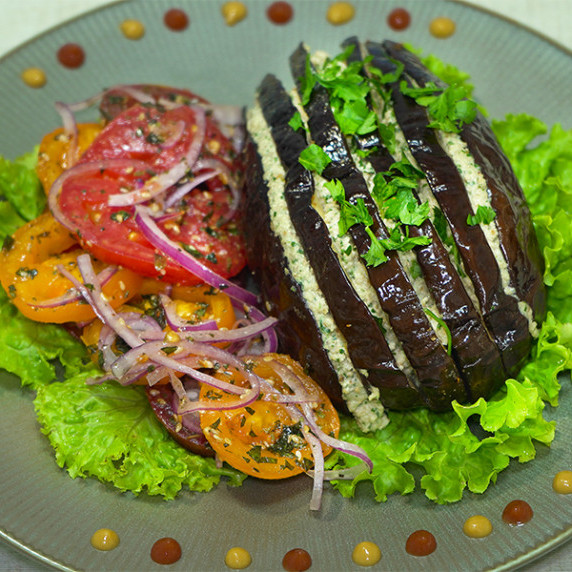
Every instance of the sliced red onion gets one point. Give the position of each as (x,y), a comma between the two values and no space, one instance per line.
(177,324)
(318,455)
(167,246)
(152,188)
(70,130)
(186,188)
(72,295)
(252,312)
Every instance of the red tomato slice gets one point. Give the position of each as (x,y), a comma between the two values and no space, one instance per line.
(159,138)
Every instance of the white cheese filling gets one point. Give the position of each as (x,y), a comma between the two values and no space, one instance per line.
(365,407)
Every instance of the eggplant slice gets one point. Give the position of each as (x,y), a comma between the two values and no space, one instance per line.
(378,317)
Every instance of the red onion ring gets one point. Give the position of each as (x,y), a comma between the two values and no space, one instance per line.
(174,251)
(70,130)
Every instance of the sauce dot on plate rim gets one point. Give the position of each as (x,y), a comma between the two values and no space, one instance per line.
(420,543)
(477,526)
(562,482)
(442,27)
(296,560)
(517,512)
(34,77)
(340,13)
(176,19)
(132,29)
(166,551)
(366,553)
(233,12)
(280,12)
(399,19)
(105,539)
(71,55)
(237,558)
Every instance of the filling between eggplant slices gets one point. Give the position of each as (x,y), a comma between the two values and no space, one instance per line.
(388,233)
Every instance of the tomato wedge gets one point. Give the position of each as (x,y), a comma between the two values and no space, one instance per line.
(158,138)
(29,275)
(263,440)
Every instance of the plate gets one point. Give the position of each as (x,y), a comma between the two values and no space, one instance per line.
(52,517)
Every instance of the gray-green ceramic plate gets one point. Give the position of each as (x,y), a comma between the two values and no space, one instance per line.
(53,517)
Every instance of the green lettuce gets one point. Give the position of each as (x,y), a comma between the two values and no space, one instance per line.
(110,432)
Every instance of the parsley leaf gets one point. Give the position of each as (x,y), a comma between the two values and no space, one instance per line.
(449,108)
(484,214)
(314,158)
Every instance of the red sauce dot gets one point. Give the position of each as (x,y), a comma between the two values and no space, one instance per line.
(166,551)
(296,560)
(280,12)
(420,543)
(399,19)
(176,20)
(71,56)
(517,512)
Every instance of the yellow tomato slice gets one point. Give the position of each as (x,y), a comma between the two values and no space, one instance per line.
(28,273)
(263,439)
(54,152)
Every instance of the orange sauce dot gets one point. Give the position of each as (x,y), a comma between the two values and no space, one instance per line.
(166,551)
(420,543)
(442,27)
(366,554)
(176,19)
(233,12)
(340,13)
(71,56)
(517,512)
(238,558)
(562,483)
(399,19)
(296,560)
(34,77)
(280,12)
(132,29)
(477,526)
(105,539)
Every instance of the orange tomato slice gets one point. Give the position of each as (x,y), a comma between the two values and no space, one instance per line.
(263,439)
(28,273)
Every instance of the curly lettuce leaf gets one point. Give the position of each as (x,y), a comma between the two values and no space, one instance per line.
(33,351)
(110,432)
(21,195)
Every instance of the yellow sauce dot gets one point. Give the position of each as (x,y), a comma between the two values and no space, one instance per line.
(105,539)
(340,13)
(132,29)
(562,482)
(442,27)
(238,558)
(366,554)
(34,77)
(233,12)
(477,526)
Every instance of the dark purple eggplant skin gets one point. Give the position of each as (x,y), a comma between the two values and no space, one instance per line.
(474,351)
(517,237)
(438,377)
(367,347)
(507,325)
(161,398)
(281,296)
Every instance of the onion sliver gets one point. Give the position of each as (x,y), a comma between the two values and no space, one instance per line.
(70,130)
(167,246)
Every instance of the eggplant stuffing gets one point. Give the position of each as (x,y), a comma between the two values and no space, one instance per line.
(387,232)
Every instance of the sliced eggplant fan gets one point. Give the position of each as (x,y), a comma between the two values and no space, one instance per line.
(369,242)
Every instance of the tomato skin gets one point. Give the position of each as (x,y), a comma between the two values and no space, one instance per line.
(111,233)
(29,275)
(262,439)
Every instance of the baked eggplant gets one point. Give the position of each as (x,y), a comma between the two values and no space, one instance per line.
(388,287)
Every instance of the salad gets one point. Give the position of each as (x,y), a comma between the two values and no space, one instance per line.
(130,177)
